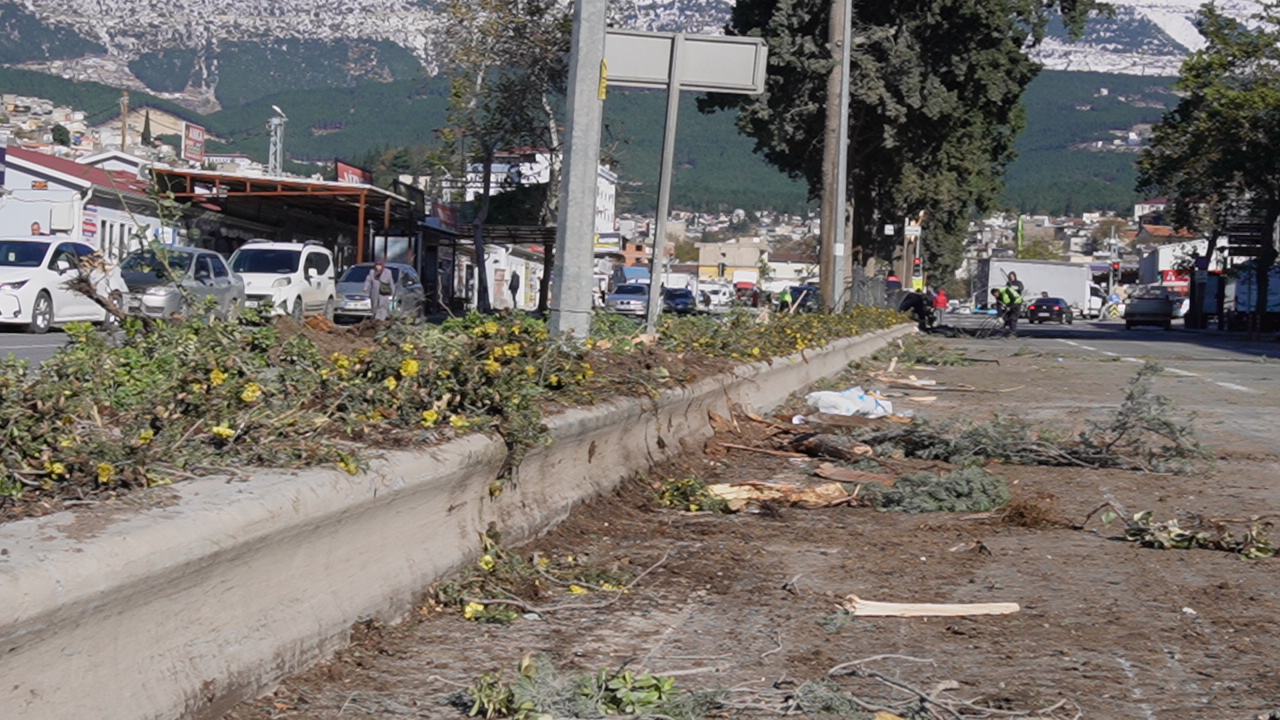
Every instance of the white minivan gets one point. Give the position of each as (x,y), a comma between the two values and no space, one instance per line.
(34,272)
(298,279)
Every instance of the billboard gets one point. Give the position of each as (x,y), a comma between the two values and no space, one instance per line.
(192,143)
(348,173)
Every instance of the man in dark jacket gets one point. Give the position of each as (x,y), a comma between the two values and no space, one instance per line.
(918,305)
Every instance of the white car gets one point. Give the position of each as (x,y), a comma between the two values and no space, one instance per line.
(34,273)
(296,278)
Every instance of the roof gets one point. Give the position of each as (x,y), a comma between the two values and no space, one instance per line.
(118,181)
(1165,231)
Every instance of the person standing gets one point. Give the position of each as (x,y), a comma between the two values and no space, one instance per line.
(940,300)
(514,287)
(784,299)
(380,285)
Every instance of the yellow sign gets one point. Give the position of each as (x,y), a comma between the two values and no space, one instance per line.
(604,78)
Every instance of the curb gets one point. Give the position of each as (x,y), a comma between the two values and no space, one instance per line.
(185,610)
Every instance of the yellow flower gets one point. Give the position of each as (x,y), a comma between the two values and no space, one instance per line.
(349,464)
(511,349)
(340,361)
(145,436)
(217,377)
(390,382)
(614,588)
(543,561)
(472,610)
(444,373)
(407,347)
(755,351)
(458,421)
(409,368)
(223,432)
(491,328)
(578,590)
(488,563)
(491,366)
(430,418)
(66,442)
(55,469)
(106,473)
(251,393)
(530,370)
(554,379)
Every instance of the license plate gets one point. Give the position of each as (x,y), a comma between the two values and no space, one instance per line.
(251,303)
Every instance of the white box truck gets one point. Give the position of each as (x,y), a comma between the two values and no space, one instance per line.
(1069,281)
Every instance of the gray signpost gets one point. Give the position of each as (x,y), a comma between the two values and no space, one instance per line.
(677,61)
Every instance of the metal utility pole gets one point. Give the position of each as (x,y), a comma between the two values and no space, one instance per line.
(124,121)
(575,229)
(664,188)
(275,154)
(832,151)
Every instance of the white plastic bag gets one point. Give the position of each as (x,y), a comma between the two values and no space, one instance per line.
(853,401)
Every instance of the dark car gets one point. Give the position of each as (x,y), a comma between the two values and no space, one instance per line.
(804,298)
(1050,309)
(679,301)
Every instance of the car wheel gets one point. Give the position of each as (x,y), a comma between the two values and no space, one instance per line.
(297,310)
(41,314)
(329,305)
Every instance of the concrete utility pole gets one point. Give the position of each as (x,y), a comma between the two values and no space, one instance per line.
(575,230)
(124,121)
(834,168)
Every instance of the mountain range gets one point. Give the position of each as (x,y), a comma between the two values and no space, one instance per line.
(341,70)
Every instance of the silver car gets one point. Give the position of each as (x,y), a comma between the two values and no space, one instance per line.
(629,299)
(353,301)
(176,280)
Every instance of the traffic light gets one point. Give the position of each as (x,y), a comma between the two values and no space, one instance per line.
(1115,267)
(917,267)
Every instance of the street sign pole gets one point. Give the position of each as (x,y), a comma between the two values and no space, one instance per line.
(664,188)
(573,267)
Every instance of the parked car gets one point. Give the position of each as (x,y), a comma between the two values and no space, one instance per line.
(295,278)
(1050,309)
(177,280)
(679,301)
(628,299)
(804,297)
(1151,306)
(353,302)
(33,283)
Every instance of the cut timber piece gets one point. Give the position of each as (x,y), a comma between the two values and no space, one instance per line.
(848,475)
(740,495)
(869,608)
(837,447)
(922,398)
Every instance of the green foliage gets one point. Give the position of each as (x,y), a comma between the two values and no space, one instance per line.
(1040,248)
(1252,543)
(61,135)
(688,494)
(740,335)
(935,106)
(967,490)
(539,689)
(99,102)
(27,38)
(917,350)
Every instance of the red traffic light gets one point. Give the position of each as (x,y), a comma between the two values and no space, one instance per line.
(1115,266)
(917,261)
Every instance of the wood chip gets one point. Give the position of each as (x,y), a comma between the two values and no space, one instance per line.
(922,398)
(870,608)
(806,495)
(849,475)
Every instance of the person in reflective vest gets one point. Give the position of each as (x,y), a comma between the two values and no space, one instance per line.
(1010,298)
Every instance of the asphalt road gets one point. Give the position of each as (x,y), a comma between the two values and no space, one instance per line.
(33,348)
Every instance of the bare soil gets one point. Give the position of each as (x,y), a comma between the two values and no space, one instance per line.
(1113,629)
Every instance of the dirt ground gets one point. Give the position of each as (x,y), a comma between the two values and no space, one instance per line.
(1111,629)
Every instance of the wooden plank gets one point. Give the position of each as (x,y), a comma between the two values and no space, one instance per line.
(870,608)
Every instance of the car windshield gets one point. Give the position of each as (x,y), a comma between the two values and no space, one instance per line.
(22,254)
(1049,301)
(150,263)
(680,293)
(276,262)
(358,273)
(631,290)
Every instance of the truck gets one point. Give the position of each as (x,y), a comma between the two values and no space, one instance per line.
(1069,281)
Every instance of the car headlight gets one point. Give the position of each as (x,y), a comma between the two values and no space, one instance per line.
(282,282)
(14,285)
(161,290)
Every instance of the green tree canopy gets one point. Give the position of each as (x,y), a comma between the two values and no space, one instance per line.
(935,104)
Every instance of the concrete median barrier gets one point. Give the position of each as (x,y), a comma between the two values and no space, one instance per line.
(181,609)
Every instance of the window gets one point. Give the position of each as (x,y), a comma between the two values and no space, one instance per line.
(317,261)
(203,269)
(14,253)
(219,267)
(265,260)
(65,254)
(83,250)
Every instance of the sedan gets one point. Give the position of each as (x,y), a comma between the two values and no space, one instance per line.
(34,274)
(173,281)
(678,300)
(354,305)
(629,299)
(1149,307)
(1050,309)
